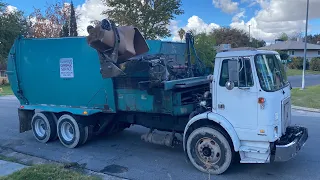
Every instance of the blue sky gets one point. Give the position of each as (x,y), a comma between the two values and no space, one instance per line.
(205,9)
(267,18)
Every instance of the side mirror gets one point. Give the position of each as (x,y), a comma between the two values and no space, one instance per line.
(229,85)
(233,73)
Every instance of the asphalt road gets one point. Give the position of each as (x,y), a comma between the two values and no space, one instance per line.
(310,80)
(125,155)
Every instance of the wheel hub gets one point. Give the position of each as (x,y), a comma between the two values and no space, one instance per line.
(67,131)
(208,150)
(40,127)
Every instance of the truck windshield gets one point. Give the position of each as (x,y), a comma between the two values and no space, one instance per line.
(271,73)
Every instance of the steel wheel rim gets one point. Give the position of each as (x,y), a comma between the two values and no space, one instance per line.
(208,150)
(40,127)
(67,131)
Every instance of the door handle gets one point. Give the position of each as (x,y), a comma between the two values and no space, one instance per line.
(221,106)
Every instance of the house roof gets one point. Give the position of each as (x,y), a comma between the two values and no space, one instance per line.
(288,45)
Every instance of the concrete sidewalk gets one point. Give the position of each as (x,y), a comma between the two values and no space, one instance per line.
(7,167)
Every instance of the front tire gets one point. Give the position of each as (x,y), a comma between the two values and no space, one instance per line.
(44,127)
(70,132)
(209,150)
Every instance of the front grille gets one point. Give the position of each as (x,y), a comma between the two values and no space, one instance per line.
(286,114)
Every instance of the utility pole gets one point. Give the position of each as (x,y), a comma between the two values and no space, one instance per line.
(249,37)
(305,48)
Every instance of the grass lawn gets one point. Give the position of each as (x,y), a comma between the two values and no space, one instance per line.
(310,97)
(295,72)
(47,171)
(6,90)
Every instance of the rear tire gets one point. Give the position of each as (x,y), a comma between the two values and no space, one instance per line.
(70,132)
(44,127)
(88,134)
(209,150)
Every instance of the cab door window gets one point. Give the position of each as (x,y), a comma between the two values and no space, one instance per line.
(245,73)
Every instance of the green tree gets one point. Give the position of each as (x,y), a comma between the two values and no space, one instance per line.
(235,37)
(12,24)
(73,21)
(313,39)
(204,44)
(181,33)
(284,37)
(256,43)
(283,55)
(151,17)
(65,31)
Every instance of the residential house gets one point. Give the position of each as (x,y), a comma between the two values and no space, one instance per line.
(295,48)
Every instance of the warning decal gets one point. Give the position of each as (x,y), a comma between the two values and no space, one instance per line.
(66,68)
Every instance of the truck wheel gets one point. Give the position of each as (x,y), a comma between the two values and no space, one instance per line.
(70,132)
(44,127)
(88,131)
(209,150)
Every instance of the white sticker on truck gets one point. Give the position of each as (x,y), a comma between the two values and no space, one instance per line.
(66,68)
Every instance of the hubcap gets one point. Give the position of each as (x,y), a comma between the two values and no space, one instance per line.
(67,131)
(208,150)
(40,127)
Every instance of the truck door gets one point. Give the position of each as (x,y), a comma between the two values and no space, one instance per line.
(238,105)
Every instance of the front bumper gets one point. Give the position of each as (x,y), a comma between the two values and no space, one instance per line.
(290,144)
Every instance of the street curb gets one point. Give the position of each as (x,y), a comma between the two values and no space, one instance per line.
(305,109)
(29,160)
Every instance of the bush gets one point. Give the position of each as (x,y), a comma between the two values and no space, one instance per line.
(283,55)
(297,63)
(315,64)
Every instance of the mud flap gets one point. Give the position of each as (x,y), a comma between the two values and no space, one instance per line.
(25,117)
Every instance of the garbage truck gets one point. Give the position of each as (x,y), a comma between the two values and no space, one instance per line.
(74,88)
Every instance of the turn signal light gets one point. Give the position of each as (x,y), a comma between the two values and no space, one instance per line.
(21,107)
(261,100)
(85,112)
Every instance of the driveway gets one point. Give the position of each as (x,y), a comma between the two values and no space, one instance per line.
(310,80)
(125,155)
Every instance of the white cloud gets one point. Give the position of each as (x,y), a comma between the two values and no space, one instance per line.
(89,11)
(11,9)
(237,17)
(287,10)
(8,10)
(252,4)
(194,23)
(267,31)
(227,6)
(277,16)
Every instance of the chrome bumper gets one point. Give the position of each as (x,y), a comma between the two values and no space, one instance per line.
(290,144)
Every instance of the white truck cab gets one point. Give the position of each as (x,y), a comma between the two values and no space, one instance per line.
(250,111)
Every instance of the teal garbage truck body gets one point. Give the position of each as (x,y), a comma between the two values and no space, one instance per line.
(61,76)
